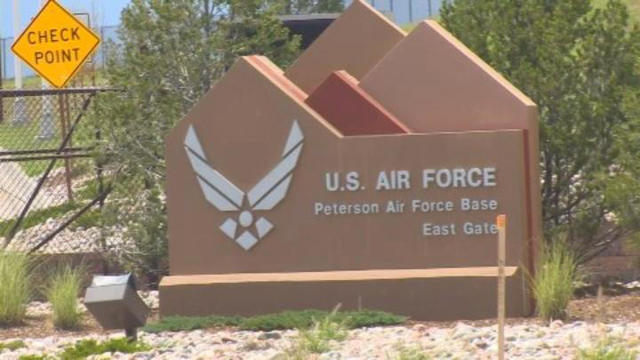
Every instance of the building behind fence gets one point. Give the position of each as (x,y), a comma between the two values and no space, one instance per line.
(402,11)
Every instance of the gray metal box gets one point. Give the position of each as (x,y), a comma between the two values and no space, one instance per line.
(114,302)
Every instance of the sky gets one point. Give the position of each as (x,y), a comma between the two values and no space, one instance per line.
(103,12)
(107,12)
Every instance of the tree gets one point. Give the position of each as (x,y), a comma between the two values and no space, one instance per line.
(313,6)
(168,55)
(581,66)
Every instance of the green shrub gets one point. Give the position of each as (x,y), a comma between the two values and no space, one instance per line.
(12,345)
(367,318)
(85,348)
(283,320)
(607,349)
(553,283)
(303,319)
(189,323)
(62,292)
(15,287)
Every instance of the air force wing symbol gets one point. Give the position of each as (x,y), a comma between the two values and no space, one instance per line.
(226,197)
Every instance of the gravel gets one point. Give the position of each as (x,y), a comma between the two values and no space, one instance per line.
(524,340)
(557,341)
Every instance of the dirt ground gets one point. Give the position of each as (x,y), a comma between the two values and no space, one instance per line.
(41,326)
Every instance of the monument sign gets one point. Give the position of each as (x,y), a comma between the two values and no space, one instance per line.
(369,173)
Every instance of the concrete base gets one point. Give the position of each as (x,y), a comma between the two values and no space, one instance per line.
(421,294)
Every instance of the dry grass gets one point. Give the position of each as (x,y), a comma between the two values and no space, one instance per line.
(553,282)
(15,287)
(62,292)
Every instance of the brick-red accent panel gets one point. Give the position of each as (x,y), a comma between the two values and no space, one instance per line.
(350,109)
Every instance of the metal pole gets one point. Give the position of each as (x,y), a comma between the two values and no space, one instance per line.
(429,3)
(501,222)
(410,11)
(47,126)
(131,334)
(19,113)
(64,117)
(17,65)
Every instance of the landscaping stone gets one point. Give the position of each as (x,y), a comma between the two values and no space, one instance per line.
(525,339)
(463,341)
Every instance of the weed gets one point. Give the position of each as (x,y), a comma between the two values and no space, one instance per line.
(15,287)
(85,348)
(34,357)
(12,345)
(317,339)
(62,292)
(411,353)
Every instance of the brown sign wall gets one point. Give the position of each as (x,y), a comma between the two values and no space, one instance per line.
(279,188)
(302,239)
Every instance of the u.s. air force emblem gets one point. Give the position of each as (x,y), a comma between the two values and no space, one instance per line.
(227,197)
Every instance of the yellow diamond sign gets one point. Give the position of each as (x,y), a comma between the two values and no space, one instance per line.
(55,44)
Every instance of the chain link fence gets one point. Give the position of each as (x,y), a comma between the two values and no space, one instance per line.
(47,173)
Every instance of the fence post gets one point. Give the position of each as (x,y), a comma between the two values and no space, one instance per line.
(63,104)
(501,221)
(410,11)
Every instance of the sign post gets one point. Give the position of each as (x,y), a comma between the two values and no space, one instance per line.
(55,44)
(501,222)
(47,127)
(19,113)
